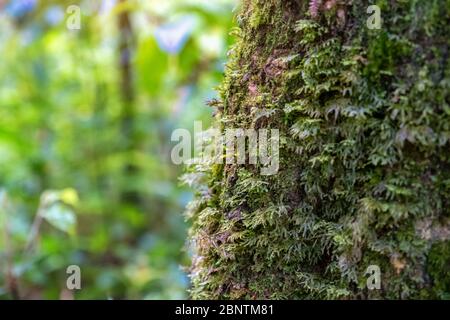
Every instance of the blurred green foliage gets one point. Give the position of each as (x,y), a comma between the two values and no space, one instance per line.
(63,150)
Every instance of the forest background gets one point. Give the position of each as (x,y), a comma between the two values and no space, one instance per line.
(86,116)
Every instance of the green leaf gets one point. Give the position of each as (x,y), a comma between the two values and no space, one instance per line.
(152,66)
(69,196)
(61,217)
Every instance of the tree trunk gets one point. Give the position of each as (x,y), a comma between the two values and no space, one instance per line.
(364,177)
(130,195)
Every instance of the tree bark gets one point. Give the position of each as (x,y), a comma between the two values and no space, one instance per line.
(364,176)
(130,195)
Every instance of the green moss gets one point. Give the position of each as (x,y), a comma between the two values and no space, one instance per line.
(364,156)
(439,269)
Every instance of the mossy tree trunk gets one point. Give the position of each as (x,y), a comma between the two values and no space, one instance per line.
(364,174)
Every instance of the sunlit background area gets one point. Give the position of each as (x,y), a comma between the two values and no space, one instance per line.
(86,117)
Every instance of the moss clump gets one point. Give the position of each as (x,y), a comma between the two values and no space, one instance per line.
(364,173)
(439,269)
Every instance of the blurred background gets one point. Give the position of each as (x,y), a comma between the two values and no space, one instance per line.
(87,109)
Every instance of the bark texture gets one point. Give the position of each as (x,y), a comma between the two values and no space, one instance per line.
(364,173)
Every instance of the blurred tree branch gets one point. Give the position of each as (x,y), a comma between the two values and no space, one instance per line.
(11,281)
(126,44)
